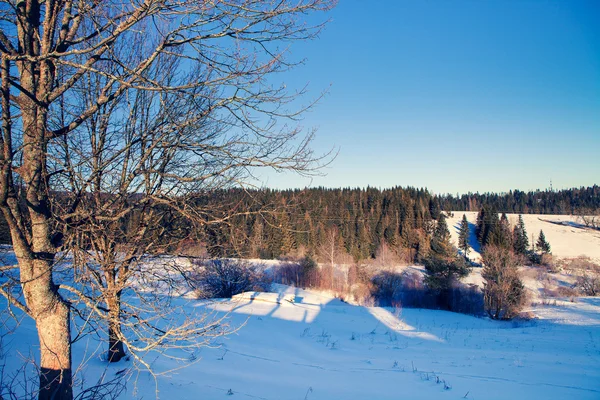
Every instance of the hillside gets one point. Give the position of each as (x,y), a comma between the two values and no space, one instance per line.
(304,344)
(321,348)
(565,233)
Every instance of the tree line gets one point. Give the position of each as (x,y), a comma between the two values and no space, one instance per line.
(352,223)
(360,224)
(567,201)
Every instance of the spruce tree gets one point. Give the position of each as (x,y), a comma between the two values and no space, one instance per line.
(520,239)
(488,227)
(440,241)
(463,235)
(434,209)
(542,244)
(443,265)
(504,234)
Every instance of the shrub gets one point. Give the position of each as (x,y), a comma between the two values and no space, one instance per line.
(301,273)
(560,291)
(387,288)
(546,260)
(503,293)
(414,293)
(589,283)
(466,299)
(192,248)
(587,272)
(360,286)
(224,278)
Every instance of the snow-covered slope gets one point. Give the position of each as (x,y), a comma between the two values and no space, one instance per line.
(299,344)
(321,348)
(567,237)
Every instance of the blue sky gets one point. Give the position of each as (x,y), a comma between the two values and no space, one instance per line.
(456,96)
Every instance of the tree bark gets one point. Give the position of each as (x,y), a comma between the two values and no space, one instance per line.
(35,253)
(116,349)
(51,315)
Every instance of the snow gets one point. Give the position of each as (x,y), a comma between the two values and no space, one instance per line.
(567,236)
(302,344)
(276,298)
(321,348)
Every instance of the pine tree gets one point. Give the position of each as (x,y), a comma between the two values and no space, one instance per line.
(488,227)
(440,241)
(520,239)
(542,244)
(504,235)
(434,208)
(463,235)
(443,266)
(441,229)
(256,239)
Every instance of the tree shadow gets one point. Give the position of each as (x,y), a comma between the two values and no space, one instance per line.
(473,242)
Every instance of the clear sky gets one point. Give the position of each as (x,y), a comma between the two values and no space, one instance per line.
(456,96)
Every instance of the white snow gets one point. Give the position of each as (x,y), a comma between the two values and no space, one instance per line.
(321,348)
(302,344)
(567,236)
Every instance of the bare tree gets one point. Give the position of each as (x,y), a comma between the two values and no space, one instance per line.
(331,250)
(504,293)
(48,47)
(590,218)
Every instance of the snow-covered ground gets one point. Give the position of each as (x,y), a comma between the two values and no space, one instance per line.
(321,348)
(299,344)
(566,235)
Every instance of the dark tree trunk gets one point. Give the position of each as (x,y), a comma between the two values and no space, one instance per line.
(116,349)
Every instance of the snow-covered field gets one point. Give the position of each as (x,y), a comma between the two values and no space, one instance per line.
(321,348)
(566,234)
(298,344)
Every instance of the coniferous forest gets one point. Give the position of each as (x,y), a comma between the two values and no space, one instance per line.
(347,224)
(359,224)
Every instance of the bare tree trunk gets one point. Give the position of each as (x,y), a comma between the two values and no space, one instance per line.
(55,343)
(116,349)
(36,259)
(51,315)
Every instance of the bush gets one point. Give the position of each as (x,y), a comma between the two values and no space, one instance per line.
(542,260)
(589,284)
(303,273)
(503,293)
(224,278)
(360,287)
(466,299)
(414,293)
(387,288)
(587,273)
(192,248)
(559,291)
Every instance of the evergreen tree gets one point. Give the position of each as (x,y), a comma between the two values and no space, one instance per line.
(441,229)
(463,235)
(440,241)
(504,234)
(542,244)
(488,227)
(441,273)
(434,208)
(443,266)
(520,239)
(256,239)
